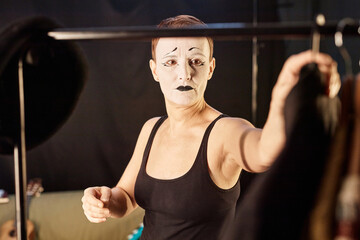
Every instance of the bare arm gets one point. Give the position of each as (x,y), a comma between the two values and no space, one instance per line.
(259,148)
(99,203)
(273,137)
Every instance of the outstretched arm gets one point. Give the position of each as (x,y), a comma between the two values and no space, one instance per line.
(273,137)
(260,147)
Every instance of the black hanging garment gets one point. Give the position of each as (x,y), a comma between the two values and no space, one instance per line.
(278,202)
(322,217)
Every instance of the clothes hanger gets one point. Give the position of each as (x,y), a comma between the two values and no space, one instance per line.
(315,45)
(339,42)
(334,83)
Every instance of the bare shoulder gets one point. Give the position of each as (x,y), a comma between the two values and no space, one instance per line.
(232,125)
(143,137)
(225,148)
(228,132)
(127,180)
(151,122)
(148,126)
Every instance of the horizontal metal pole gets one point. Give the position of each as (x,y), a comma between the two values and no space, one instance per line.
(219,31)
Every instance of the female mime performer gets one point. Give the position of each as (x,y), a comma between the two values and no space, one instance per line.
(186,165)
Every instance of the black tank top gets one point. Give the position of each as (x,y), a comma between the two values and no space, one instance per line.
(188,207)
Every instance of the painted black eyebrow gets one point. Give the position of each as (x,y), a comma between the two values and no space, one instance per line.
(171,51)
(193,48)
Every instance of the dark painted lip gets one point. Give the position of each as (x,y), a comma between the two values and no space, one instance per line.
(184,88)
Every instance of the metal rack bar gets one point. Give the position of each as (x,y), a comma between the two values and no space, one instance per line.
(219,31)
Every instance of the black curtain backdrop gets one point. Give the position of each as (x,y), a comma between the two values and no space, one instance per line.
(95,144)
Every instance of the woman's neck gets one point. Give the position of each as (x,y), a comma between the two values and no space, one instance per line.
(182,116)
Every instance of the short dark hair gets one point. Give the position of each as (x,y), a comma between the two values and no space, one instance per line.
(178,22)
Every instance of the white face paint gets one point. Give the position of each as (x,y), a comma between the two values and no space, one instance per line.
(183,68)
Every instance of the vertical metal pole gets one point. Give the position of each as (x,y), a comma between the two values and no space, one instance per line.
(20,165)
(254,66)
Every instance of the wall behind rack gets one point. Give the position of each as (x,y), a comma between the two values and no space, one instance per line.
(333,10)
